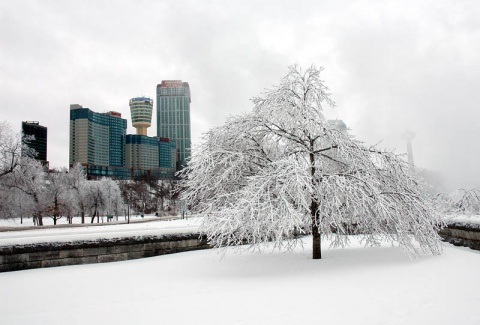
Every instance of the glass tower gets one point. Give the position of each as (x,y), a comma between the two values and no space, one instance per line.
(173,116)
(158,156)
(39,140)
(97,138)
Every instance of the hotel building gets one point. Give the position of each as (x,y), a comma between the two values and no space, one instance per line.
(173,116)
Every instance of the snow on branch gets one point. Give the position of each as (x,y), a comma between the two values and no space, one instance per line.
(282,170)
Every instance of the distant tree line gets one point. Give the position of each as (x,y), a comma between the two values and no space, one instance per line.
(28,190)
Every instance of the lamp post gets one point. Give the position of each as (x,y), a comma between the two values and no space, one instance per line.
(129,199)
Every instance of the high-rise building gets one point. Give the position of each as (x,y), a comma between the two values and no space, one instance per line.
(35,136)
(173,116)
(99,142)
(97,139)
(155,156)
(141,112)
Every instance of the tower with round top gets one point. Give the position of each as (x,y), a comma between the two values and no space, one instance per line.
(141,112)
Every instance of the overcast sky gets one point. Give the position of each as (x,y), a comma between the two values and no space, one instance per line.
(392,66)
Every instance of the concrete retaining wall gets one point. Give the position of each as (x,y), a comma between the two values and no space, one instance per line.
(21,257)
(462,234)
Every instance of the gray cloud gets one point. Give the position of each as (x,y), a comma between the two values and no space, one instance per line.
(391,66)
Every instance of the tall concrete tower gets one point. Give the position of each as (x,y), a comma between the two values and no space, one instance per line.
(141,112)
(173,116)
(408,136)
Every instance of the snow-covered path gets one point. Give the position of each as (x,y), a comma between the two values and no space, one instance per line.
(40,235)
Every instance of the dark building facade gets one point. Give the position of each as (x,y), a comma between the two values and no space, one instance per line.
(34,135)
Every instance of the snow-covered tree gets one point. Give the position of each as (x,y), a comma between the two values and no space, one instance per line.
(29,178)
(95,200)
(469,202)
(161,191)
(78,183)
(112,196)
(461,201)
(103,197)
(59,199)
(15,203)
(282,171)
(11,148)
(11,162)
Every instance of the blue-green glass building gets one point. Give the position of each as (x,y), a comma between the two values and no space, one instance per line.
(99,142)
(155,156)
(97,139)
(173,116)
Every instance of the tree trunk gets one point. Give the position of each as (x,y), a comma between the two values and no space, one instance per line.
(55,213)
(38,214)
(316,240)
(83,213)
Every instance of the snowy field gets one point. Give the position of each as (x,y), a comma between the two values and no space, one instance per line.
(355,285)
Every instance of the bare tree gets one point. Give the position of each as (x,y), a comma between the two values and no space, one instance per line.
(95,199)
(77,180)
(103,196)
(461,201)
(11,160)
(29,178)
(469,202)
(112,196)
(14,203)
(282,170)
(59,201)
(11,148)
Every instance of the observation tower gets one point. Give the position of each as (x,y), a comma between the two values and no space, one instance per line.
(408,136)
(141,112)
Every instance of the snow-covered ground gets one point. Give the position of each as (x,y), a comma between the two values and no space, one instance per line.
(28,221)
(474,219)
(355,285)
(68,234)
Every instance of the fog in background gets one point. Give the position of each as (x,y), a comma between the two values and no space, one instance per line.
(392,66)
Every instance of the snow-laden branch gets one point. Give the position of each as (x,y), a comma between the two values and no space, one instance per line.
(282,170)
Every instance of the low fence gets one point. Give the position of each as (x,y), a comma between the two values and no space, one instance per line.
(462,234)
(31,256)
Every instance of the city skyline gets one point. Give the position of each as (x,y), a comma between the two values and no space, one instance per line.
(99,142)
(391,66)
